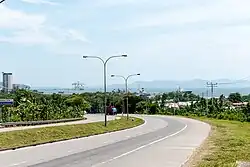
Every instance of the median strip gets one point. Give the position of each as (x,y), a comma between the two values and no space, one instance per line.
(32,123)
(32,137)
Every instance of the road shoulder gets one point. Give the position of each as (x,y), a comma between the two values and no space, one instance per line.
(228,143)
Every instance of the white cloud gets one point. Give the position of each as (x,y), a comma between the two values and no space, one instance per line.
(28,28)
(217,11)
(40,2)
(22,26)
(44,35)
(76,35)
(214,52)
(112,3)
(28,37)
(14,19)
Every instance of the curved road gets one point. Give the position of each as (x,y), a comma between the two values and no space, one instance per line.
(161,142)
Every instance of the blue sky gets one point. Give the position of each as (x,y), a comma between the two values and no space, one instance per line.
(42,41)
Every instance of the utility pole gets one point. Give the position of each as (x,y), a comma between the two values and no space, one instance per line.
(212,86)
(207,93)
(202,94)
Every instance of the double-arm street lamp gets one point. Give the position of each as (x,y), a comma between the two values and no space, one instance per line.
(126,87)
(105,78)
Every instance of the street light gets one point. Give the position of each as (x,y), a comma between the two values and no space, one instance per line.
(105,78)
(126,87)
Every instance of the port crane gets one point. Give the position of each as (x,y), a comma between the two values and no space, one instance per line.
(78,85)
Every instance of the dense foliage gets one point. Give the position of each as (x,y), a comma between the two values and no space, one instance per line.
(32,106)
(220,108)
(117,99)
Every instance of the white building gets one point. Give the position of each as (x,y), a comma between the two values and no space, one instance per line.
(7,82)
(178,104)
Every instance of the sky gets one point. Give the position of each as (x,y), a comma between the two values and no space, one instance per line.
(42,41)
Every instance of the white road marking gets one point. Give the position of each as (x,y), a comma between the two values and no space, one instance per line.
(139,148)
(110,141)
(73,140)
(16,164)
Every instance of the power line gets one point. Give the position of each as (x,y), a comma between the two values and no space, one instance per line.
(1,1)
(235,82)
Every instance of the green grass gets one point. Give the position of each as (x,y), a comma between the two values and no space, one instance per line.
(229,142)
(22,138)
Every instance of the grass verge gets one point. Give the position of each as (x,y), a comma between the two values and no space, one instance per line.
(31,137)
(228,142)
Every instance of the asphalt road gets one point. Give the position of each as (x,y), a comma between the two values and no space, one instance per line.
(160,142)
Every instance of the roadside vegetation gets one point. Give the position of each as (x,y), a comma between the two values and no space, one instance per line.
(22,138)
(35,106)
(31,106)
(228,143)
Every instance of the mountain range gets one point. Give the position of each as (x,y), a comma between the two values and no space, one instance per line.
(186,84)
(198,86)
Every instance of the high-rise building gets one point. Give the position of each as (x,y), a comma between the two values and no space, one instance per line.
(7,82)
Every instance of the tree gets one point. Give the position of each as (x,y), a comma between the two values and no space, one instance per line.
(34,106)
(221,101)
(153,108)
(235,97)
(141,107)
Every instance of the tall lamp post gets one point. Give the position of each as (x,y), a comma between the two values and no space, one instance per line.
(126,87)
(105,78)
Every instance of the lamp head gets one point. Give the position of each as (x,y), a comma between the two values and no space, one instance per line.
(1,1)
(124,55)
(84,57)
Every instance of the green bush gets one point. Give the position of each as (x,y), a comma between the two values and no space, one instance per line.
(30,106)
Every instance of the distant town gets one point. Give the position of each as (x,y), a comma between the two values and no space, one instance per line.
(7,84)
(197,86)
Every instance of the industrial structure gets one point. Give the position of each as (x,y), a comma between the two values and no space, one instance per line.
(78,85)
(20,86)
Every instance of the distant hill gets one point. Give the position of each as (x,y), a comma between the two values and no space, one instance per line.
(198,86)
(196,83)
